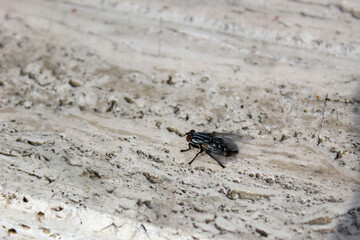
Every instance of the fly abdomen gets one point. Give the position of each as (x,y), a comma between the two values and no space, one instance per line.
(220,147)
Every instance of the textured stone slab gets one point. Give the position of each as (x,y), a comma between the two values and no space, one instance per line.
(96,96)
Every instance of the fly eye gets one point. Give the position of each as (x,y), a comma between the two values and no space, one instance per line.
(187,138)
(192,130)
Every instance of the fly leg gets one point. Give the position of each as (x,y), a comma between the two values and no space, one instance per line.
(222,165)
(196,156)
(184,150)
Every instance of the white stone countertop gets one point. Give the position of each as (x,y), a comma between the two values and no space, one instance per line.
(96,96)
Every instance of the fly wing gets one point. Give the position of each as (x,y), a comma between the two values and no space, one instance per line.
(230,139)
(229,136)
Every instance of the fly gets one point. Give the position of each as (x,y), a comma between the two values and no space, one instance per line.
(219,146)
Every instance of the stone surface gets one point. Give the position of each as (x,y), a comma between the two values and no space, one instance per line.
(96,96)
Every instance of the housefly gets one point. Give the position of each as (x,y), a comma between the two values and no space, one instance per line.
(219,146)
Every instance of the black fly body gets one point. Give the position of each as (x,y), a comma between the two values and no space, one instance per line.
(219,146)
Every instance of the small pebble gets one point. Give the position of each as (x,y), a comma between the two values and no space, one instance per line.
(270,180)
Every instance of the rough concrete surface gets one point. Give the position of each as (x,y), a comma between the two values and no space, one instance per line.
(96,97)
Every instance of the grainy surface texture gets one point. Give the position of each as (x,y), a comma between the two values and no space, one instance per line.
(96,97)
